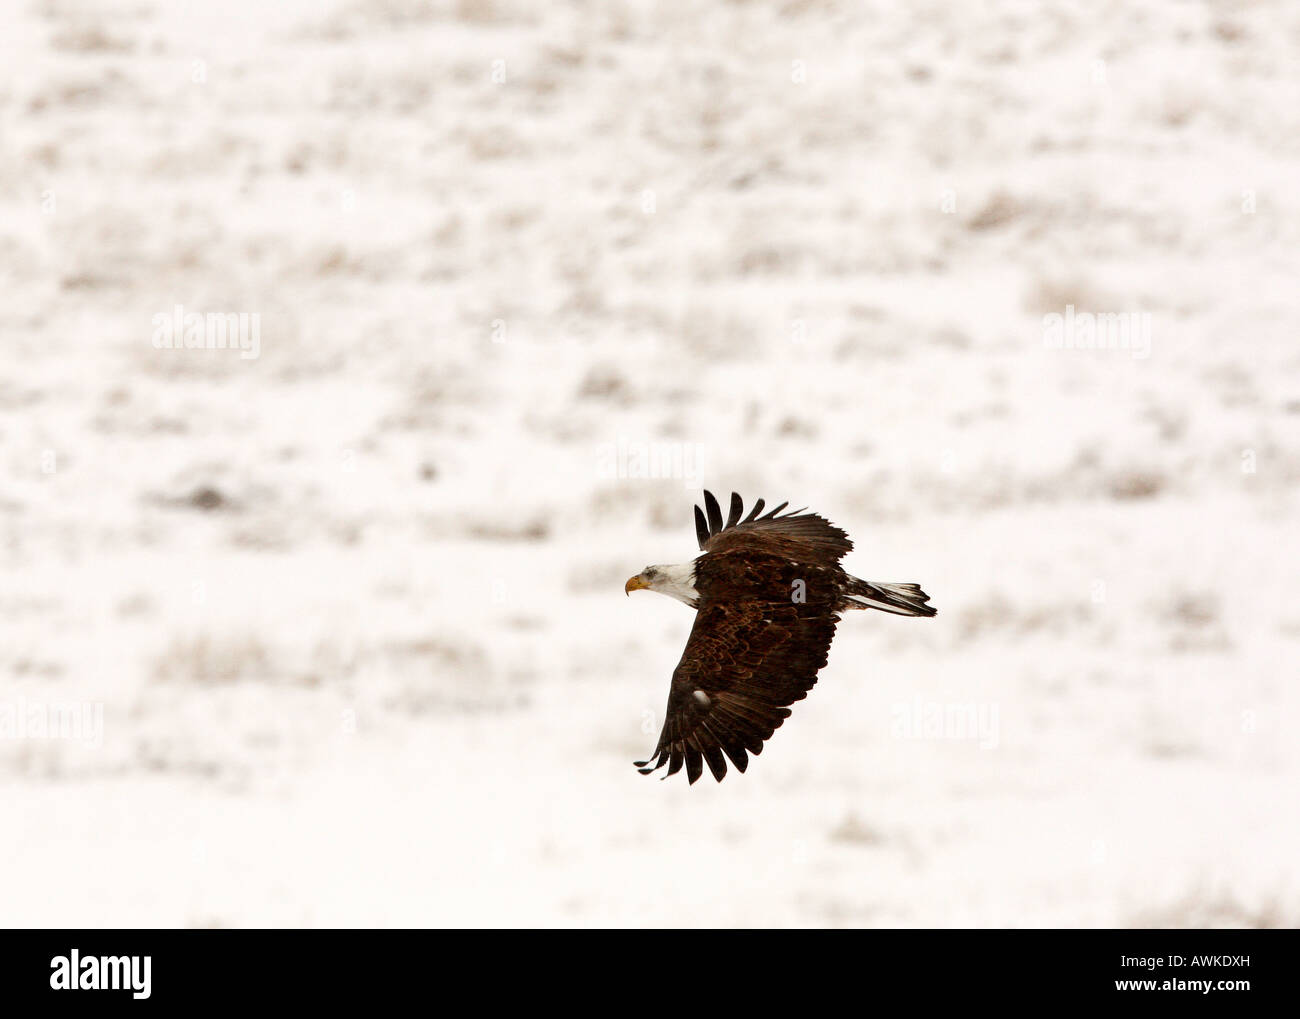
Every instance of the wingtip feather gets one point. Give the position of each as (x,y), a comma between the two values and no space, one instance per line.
(714,511)
(701,528)
(733,516)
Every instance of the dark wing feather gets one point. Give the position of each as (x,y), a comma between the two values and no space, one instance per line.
(701,527)
(798,535)
(733,515)
(754,651)
(714,511)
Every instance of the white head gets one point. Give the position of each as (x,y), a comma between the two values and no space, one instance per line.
(675,581)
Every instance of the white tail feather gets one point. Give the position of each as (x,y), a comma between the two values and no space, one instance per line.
(900,599)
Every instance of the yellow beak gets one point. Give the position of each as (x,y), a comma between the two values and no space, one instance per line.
(634,584)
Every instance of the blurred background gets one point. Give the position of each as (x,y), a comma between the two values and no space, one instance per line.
(319,618)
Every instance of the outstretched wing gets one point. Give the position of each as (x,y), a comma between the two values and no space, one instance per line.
(762,632)
(804,536)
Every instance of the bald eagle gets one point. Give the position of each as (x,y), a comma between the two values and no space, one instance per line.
(767,592)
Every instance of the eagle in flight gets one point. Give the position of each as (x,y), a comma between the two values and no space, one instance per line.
(767,593)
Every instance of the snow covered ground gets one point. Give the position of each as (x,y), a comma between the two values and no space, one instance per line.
(336,634)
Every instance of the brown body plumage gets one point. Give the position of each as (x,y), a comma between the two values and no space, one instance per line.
(768,592)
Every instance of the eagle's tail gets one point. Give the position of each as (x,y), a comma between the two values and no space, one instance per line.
(903,599)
